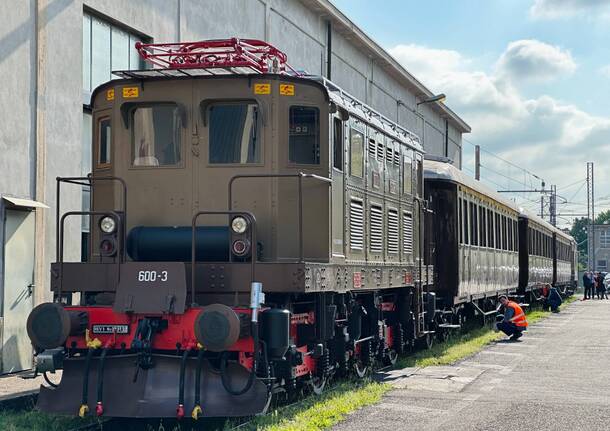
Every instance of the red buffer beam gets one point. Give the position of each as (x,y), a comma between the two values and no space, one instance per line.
(256,55)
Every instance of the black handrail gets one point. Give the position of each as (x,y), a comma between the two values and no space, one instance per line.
(60,233)
(300,177)
(89,180)
(251,226)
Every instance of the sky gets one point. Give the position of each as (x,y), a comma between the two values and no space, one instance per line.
(531,77)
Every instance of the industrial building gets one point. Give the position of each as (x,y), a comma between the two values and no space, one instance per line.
(53,53)
(598,238)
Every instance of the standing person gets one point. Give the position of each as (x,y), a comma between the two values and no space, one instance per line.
(587,282)
(605,284)
(514,322)
(599,282)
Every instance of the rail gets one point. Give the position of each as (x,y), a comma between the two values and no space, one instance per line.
(300,177)
(252,226)
(60,254)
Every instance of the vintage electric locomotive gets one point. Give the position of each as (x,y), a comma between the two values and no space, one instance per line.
(218,175)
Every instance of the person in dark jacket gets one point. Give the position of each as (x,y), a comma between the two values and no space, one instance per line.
(599,283)
(554,299)
(587,281)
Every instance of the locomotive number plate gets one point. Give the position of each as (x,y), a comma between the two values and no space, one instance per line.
(357,280)
(110,329)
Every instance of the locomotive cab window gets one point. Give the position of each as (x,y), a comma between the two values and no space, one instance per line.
(234,135)
(338,144)
(156,135)
(104,142)
(304,135)
(356,153)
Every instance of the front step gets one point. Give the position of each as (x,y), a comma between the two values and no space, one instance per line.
(449,326)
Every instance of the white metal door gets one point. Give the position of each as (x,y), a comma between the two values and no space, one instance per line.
(17,296)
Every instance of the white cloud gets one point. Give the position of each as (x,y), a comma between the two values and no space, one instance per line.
(553,9)
(532,60)
(547,136)
(605,70)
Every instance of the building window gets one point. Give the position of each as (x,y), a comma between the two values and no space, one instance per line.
(234,133)
(304,135)
(604,239)
(106,47)
(602,264)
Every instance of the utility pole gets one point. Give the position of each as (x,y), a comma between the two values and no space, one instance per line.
(591,218)
(541,206)
(477,162)
(553,206)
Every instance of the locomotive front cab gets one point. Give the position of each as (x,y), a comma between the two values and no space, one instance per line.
(180,144)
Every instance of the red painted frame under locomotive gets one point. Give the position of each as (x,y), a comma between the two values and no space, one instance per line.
(180,333)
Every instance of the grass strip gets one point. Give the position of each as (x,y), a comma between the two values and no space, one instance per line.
(322,412)
(33,420)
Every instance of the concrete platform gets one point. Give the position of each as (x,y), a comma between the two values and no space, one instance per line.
(555,378)
(15,386)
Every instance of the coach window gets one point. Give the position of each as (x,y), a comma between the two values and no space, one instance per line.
(356,153)
(104,142)
(465,221)
(490,228)
(474,223)
(234,133)
(461,221)
(497,230)
(304,135)
(509,225)
(155,135)
(483,226)
(338,144)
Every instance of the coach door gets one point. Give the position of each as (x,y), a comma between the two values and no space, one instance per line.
(17,294)
(338,187)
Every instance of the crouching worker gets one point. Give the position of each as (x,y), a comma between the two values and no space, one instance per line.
(554,300)
(514,322)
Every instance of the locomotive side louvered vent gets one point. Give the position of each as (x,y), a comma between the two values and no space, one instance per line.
(397,158)
(393,232)
(380,151)
(356,225)
(372,147)
(376,230)
(389,154)
(407,233)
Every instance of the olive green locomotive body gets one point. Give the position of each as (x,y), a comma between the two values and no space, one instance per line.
(206,190)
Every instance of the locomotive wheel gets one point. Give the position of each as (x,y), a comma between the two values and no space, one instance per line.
(318,384)
(361,369)
(426,342)
(391,357)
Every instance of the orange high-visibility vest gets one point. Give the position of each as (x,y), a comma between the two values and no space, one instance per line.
(519,316)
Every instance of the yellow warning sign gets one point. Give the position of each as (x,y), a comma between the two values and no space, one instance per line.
(130,92)
(262,88)
(287,89)
(110,94)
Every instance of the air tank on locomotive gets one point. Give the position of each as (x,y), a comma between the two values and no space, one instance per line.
(275,332)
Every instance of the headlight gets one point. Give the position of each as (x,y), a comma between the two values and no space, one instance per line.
(107,224)
(239,225)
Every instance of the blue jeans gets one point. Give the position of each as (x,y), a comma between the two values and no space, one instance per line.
(509,328)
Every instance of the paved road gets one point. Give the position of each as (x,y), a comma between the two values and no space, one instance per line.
(556,378)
